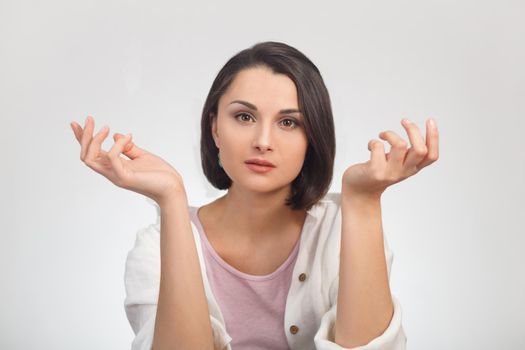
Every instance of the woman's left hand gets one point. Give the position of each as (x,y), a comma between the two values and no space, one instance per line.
(382,170)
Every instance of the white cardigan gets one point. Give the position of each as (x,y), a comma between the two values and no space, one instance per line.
(311,303)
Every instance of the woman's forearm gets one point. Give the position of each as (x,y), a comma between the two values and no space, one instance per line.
(364,306)
(182,320)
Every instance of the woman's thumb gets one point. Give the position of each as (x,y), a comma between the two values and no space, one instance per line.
(130,149)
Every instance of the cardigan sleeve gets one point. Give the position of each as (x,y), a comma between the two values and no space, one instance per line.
(393,338)
(142,281)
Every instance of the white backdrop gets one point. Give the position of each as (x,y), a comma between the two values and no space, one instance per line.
(146,67)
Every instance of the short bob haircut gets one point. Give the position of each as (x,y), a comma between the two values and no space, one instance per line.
(316,175)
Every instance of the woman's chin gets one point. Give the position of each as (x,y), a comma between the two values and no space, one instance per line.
(261,185)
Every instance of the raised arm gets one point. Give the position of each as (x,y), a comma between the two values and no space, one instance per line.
(365,305)
(182,320)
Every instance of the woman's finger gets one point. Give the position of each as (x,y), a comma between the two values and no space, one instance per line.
(131,150)
(377,156)
(77,130)
(114,155)
(418,151)
(398,147)
(94,148)
(432,138)
(87,136)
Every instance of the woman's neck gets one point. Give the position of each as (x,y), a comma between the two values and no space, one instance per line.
(254,217)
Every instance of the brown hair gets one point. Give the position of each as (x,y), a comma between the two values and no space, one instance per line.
(316,175)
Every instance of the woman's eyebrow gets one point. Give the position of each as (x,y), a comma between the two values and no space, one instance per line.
(252,106)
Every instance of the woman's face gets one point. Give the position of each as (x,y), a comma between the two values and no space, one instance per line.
(258,127)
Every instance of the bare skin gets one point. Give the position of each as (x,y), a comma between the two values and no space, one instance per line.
(255,258)
(140,171)
(365,306)
(182,317)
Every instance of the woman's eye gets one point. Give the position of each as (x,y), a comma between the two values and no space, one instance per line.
(243,119)
(292,123)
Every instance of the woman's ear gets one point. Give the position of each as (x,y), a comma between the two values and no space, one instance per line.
(214,132)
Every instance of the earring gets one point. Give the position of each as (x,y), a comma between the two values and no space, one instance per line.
(301,174)
(219,161)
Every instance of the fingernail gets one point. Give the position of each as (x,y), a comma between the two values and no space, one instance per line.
(432,123)
(406,121)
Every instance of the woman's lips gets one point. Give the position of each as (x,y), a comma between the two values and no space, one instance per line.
(259,168)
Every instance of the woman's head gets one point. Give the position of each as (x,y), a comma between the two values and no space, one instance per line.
(270,77)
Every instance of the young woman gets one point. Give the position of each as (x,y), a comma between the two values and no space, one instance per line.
(276,262)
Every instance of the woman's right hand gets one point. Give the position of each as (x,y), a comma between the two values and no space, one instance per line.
(143,172)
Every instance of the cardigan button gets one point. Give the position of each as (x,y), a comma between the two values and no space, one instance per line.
(302,277)
(294,329)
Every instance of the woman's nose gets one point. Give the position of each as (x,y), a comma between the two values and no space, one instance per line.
(262,139)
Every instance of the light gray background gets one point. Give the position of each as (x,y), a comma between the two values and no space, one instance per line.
(146,67)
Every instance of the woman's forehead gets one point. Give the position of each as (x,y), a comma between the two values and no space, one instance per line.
(261,89)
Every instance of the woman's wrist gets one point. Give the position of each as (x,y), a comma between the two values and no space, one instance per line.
(175,195)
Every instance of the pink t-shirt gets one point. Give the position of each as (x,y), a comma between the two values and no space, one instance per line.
(253,306)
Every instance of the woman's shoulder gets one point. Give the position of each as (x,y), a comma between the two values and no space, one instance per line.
(324,226)
(327,207)
(332,198)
